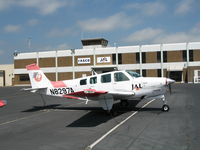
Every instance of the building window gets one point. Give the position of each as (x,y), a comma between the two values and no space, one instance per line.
(158,72)
(119,58)
(184,54)
(106,78)
(24,77)
(137,58)
(119,76)
(158,56)
(191,58)
(1,73)
(143,57)
(83,82)
(144,73)
(165,56)
(93,80)
(113,59)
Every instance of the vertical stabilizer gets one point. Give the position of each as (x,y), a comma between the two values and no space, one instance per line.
(37,77)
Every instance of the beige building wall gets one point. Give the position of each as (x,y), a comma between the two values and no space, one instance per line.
(174,56)
(8,69)
(151,57)
(129,58)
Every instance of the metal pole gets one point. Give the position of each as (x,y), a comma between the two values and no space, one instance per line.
(56,61)
(140,54)
(73,64)
(161,61)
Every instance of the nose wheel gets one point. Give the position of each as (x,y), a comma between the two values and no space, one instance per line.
(165,108)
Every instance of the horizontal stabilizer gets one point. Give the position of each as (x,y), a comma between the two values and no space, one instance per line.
(34,89)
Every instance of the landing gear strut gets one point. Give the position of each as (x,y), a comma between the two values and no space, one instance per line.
(165,107)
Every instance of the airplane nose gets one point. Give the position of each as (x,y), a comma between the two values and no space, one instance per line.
(169,81)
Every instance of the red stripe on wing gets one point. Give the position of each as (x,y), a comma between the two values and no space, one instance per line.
(88,92)
(71,97)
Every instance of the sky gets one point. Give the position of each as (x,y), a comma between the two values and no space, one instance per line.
(42,25)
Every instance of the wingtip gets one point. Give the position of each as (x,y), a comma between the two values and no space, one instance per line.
(3,103)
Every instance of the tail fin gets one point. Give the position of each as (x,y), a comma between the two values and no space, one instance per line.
(37,77)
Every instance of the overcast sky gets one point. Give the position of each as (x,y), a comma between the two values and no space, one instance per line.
(61,24)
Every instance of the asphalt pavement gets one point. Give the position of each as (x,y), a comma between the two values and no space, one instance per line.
(62,124)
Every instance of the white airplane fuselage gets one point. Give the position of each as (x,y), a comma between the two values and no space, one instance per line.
(105,87)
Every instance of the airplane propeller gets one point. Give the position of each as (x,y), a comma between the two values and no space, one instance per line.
(168,83)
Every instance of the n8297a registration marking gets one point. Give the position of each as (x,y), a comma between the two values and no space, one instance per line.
(60,91)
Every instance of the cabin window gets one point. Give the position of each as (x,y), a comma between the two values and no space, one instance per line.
(83,82)
(119,76)
(93,80)
(106,78)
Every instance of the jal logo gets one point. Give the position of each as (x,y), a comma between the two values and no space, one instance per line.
(37,76)
(103,59)
(137,86)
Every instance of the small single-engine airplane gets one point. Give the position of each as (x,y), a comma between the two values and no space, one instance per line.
(105,88)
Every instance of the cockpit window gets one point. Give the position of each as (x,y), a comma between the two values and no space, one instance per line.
(133,74)
(119,76)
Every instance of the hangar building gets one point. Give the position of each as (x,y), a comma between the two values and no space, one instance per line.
(179,61)
(6,75)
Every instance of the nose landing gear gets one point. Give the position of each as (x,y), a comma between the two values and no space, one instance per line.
(165,107)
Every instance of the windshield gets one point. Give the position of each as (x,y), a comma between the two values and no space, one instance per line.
(133,74)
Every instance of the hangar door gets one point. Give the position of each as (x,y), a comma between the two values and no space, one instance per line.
(2,78)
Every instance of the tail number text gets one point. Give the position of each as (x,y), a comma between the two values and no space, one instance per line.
(61,91)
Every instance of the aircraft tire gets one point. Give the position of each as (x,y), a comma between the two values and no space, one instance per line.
(165,108)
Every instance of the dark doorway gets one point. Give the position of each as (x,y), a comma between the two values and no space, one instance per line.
(176,75)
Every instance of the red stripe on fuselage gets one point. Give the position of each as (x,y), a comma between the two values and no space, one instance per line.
(57,84)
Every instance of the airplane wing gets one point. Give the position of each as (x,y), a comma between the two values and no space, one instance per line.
(92,93)
(88,93)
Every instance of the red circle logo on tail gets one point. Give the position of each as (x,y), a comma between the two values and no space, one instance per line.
(38,77)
